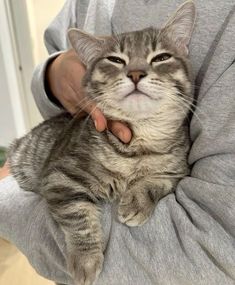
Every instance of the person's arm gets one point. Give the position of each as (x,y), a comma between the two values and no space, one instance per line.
(201,214)
(56,42)
(25,221)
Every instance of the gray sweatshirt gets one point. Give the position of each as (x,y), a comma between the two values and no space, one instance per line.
(190,239)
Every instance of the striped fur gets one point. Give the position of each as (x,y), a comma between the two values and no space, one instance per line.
(77,169)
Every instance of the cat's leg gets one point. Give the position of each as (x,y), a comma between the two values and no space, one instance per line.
(135,208)
(78,215)
(138,202)
(81,225)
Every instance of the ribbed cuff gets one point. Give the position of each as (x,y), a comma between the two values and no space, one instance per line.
(43,98)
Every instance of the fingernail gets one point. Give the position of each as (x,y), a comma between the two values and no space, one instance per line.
(121,135)
(96,124)
(125,137)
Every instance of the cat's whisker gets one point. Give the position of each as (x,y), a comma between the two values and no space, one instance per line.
(194,86)
(191,100)
(197,108)
(187,105)
(80,106)
(86,120)
(181,100)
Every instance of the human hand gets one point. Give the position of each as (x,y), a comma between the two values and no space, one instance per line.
(64,77)
(4,171)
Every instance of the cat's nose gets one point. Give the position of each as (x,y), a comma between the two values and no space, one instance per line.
(136,75)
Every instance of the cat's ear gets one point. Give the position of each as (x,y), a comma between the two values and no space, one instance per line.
(88,47)
(180,26)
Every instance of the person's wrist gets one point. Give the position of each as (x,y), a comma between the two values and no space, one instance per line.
(48,82)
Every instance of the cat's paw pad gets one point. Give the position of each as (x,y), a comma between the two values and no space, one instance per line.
(86,268)
(134,215)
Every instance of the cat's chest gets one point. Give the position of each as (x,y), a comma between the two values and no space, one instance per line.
(131,168)
(122,172)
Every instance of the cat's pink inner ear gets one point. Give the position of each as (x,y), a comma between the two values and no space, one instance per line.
(179,27)
(88,47)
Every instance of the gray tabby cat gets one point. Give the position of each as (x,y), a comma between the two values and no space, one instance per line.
(142,78)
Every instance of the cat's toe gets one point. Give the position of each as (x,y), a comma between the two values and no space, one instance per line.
(86,268)
(133,216)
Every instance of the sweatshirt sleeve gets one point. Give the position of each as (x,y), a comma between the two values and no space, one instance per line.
(25,221)
(202,211)
(56,42)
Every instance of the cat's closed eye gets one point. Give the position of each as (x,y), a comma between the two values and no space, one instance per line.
(116,59)
(161,57)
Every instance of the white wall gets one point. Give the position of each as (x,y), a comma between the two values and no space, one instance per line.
(41,13)
(7,126)
(29,23)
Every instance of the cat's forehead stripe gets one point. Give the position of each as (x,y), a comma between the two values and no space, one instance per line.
(141,43)
(137,43)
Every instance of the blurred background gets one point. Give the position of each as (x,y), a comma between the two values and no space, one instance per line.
(22,24)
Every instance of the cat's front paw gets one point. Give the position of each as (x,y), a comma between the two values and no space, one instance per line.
(133,212)
(85,268)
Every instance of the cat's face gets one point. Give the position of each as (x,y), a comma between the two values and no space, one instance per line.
(138,74)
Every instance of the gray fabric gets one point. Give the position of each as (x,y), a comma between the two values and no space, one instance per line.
(190,238)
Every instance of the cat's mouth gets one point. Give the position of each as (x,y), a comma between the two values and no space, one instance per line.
(137,94)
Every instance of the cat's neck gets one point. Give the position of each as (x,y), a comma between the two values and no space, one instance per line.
(155,135)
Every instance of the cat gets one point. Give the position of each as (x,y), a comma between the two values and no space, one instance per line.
(142,78)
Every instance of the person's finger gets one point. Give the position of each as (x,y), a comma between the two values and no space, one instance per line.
(79,113)
(91,109)
(96,114)
(120,130)
(99,120)
(4,171)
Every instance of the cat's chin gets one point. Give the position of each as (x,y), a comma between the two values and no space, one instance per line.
(138,105)
(129,112)
(137,95)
